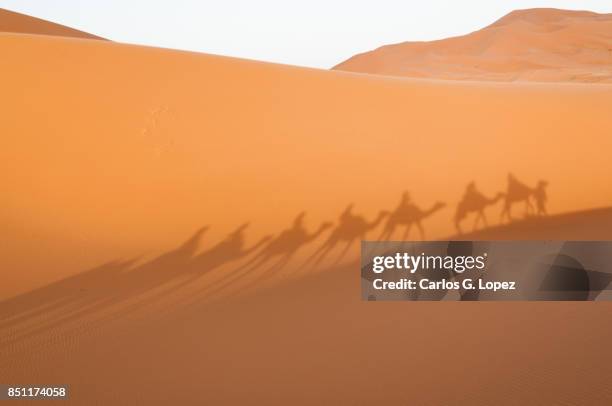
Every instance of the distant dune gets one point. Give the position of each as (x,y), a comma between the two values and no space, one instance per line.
(11,21)
(534,45)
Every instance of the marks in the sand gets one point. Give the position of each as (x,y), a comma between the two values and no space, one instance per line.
(156,130)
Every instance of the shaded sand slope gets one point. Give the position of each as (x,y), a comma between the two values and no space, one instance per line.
(11,21)
(115,152)
(593,224)
(313,341)
(544,45)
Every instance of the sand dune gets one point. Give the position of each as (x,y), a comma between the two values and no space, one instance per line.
(11,21)
(541,45)
(139,185)
(115,151)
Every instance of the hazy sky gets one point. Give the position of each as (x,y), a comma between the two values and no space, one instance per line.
(317,33)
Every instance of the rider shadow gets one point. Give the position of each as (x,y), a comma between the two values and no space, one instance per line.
(518,192)
(351,228)
(278,251)
(473,201)
(408,214)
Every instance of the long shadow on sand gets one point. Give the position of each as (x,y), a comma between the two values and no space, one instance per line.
(118,288)
(278,251)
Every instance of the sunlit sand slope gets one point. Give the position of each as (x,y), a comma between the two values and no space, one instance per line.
(116,152)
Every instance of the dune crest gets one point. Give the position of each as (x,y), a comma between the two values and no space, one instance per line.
(533,45)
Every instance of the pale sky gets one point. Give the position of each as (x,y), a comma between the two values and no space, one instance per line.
(315,33)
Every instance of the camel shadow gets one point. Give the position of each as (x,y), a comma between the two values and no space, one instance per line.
(518,192)
(137,283)
(81,296)
(232,248)
(351,228)
(116,288)
(473,201)
(408,214)
(168,273)
(119,288)
(277,253)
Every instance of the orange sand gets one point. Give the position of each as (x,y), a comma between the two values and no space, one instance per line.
(11,21)
(541,45)
(114,154)
(115,151)
(313,341)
